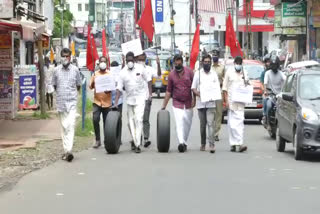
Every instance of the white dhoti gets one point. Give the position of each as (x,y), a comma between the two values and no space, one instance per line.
(135,120)
(235,127)
(67,121)
(183,118)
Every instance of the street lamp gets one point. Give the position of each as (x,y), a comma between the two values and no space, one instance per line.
(61,8)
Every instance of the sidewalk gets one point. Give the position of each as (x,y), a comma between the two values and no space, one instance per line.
(26,133)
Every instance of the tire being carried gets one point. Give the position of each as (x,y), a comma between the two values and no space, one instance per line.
(163,131)
(112,132)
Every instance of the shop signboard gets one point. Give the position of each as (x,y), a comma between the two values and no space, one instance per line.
(28,92)
(293,19)
(6,9)
(316,14)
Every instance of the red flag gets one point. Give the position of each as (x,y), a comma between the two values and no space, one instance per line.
(94,49)
(195,47)
(90,60)
(146,20)
(105,51)
(231,39)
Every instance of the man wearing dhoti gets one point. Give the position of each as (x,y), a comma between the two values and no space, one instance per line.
(235,77)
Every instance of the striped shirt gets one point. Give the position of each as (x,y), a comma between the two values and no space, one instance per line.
(66,81)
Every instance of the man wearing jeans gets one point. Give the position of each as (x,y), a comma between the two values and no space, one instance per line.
(102,100)
(205,78)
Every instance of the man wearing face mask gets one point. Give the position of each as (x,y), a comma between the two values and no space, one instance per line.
(235,77)
(152,73)
(133,77)
(273,81)
(179,88)
(102,101)
(206,110)
(67,81)
(219,70)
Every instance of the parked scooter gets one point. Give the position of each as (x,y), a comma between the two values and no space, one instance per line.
(271,121)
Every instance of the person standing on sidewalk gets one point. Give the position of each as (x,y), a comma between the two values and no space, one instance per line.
(220,71)
(152,73)
(102,101)
(235,77)
(133,77)
(179,88)
(206,78)
(67,82)
(48,73)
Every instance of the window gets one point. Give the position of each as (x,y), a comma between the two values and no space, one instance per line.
(288,85)
(79,7)
(86,7)
(68,6)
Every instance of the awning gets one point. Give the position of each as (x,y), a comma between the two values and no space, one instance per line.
(30,31)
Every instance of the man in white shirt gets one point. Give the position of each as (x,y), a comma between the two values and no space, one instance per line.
(152,73)
(206,79)
(235,77)
(133,77)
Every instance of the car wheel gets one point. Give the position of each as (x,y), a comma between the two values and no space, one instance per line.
(298,152)
(280,142)
(163,131)
(112,132)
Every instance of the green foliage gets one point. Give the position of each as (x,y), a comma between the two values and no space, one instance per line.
(67,19)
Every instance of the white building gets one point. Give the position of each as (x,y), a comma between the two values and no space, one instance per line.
(80,12)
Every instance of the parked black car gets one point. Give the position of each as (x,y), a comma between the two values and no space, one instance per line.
(298,112)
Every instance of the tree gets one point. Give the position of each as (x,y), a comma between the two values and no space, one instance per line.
(67,19)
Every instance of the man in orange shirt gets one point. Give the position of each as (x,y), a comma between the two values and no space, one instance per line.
(102,101)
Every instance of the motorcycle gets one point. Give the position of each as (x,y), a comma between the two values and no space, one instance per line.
(271,121)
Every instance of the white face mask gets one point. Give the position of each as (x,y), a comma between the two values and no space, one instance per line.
(102,66)
(238,67)
(65,62)
(130,65)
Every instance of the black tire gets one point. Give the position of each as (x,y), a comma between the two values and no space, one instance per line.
(298,152)
(112,132)
(280,142)
(163,131)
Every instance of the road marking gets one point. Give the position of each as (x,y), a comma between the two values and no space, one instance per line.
(81,173)
(296,188)
(272,169)
(287,170)
(94,159)
(59,194)
(313,188)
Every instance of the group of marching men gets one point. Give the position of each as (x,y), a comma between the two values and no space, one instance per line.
(135,80)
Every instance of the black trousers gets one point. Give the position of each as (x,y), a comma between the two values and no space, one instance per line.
(97,111)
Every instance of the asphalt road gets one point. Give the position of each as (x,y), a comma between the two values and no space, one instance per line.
(260,181)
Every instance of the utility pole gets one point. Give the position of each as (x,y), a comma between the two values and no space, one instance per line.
(237,21)
(250,25)
(121,26)
(190,27)
(172,13)
(62,8)
(247,27)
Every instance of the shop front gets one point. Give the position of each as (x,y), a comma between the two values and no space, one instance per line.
(314,30)
(16,59)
